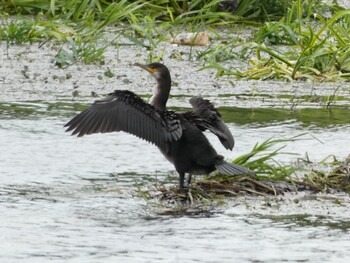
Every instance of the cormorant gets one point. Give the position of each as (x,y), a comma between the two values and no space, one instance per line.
(179,136)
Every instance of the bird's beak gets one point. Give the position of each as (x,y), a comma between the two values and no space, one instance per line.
(145,67)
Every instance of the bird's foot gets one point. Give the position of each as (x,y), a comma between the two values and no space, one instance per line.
(182,184)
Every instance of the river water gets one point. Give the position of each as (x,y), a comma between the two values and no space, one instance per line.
(68,199)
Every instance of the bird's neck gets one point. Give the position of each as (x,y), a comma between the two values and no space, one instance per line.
(161,95)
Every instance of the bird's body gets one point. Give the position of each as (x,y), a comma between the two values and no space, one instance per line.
(187,152)
(179,136)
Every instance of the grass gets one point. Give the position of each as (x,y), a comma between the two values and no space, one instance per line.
(78,50)
(273,178)
(314,48)
(19,29)
(294,40)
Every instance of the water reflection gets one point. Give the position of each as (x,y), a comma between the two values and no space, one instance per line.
(307,220)
(318,117)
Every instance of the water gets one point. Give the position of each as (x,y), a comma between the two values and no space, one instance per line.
(68,199)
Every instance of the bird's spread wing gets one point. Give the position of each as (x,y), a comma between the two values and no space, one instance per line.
(205,116)
(124,111)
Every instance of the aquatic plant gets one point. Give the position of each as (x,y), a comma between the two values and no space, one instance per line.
(113,11)
(273,178)
(262,9)
(328,176)
(175,11)
(320,54)
(19,30)
(316,51)
(261,160)
(80,50)
(314,46)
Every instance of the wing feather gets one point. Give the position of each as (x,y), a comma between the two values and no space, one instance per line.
(206,116)
(125,111)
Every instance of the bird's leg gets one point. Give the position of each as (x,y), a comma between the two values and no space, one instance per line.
(181,180)
(189,178)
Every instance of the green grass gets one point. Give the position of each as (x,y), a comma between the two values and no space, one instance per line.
(315,48)
(19,29)
(293,40)
(272,178)
(80,50)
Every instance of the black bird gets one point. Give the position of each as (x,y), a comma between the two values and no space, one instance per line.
(179,136)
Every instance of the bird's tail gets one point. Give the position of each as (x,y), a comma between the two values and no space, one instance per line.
(231,168)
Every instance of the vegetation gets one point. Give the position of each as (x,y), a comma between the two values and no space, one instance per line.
(272,178)
(298,39)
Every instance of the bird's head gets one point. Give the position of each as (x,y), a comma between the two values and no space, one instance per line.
(159,71)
